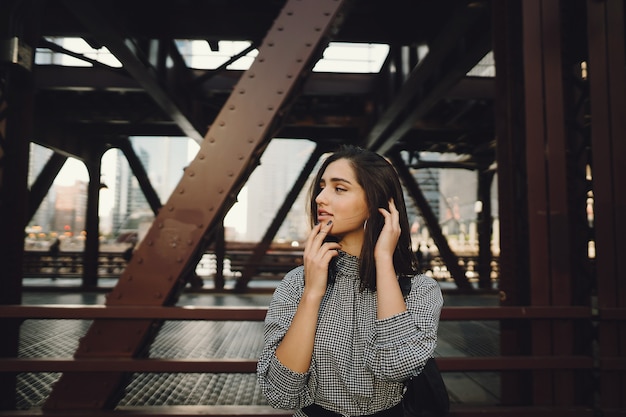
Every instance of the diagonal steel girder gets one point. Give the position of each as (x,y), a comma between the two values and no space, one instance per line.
(459,46)
(129,54)
(232,147)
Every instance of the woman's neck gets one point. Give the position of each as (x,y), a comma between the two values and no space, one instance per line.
(351,244)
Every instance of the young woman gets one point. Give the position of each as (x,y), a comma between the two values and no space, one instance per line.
(340,335)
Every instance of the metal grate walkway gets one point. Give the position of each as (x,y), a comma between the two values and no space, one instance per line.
(227,340)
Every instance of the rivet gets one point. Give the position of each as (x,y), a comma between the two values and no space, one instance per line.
(211,140)
(200,156)
(192,173)
(231,107)
(240,157)
(200,226)
(279,92)
(261,124)
(150,242)
(157,295)
(140,260)
(222,123)
(220,191)
(179,259)
(230,173)
(189,242)
(181,190)
(171,208)
(160,226)
(242,91)
(270,107)
(251,75)
(130,277)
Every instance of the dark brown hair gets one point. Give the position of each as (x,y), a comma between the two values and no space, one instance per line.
(379,180)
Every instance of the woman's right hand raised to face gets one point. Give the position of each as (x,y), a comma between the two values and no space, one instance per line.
(317,257)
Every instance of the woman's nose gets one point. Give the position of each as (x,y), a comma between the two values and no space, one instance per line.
(320,197)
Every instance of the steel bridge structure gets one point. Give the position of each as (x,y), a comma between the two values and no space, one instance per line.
(550,124)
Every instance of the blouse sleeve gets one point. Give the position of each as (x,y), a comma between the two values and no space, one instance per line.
(282,387)
(400,345)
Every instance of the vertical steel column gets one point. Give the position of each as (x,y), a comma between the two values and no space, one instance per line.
(210,183)
(18,23)
(91,251)
(549,196)
(606,32)
(510,153)
(484,226)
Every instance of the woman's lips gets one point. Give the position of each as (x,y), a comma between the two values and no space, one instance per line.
(322,215)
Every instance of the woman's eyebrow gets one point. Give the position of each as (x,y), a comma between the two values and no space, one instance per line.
(340,180)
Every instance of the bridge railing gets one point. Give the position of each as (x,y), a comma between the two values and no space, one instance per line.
(574,364)
(40,264)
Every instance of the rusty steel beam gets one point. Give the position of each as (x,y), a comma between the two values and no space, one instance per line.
(208,188)
(448,256)
(538,181)
(456,410)
(136,63)
(93,312)
(139,171)
(261,248)
(427,84)
(157,365)
(42,184)
(607,93)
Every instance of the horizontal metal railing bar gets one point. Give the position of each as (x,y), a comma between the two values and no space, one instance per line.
(87,312)
(267,411)
(612,314)
(156,411)
(155,365)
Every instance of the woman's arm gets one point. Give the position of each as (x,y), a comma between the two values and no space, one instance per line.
(296,349)
(388,294)
(402,343)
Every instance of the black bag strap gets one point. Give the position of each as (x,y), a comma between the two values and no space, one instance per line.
(425,394)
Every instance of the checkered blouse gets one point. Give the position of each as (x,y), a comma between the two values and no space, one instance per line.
(358,362)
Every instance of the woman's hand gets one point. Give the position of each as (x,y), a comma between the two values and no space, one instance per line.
(388,294)
(317,256)
(390,233)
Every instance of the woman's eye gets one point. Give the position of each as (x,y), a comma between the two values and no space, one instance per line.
(339,189)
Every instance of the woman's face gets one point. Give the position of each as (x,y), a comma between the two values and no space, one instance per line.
(342,200)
